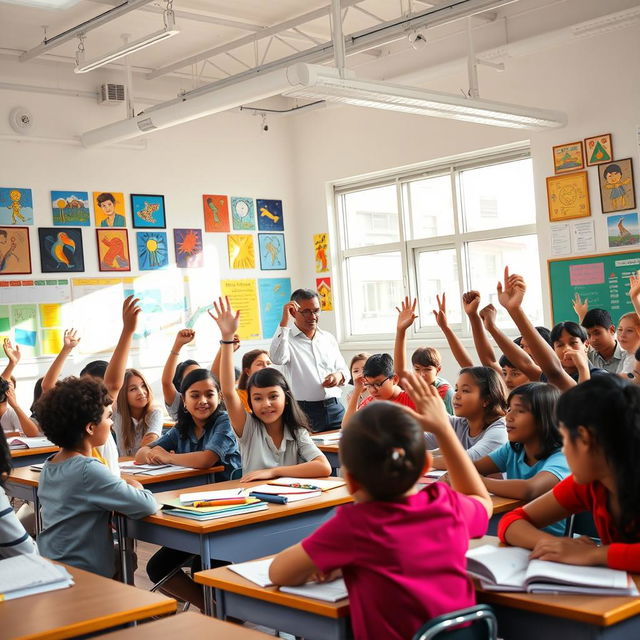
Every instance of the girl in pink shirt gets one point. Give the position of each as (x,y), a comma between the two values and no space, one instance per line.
(401,549)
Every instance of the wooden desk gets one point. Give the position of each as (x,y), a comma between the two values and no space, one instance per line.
(235,538)
(306,617)
(176,480)
(92,604)
(187,625)
(531,616)
(26,457)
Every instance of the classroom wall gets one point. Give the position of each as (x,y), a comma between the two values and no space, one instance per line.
(592,80)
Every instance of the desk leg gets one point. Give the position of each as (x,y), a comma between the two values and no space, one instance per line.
(220,604)
(121,534)
(205,557)
(38,518)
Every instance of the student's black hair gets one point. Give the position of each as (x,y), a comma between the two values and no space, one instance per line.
(637,354)
(612,168)
(597,318)
(540,399)
(382,447)
(293,417)
(304,294)
(37,392)
(379,364)
(184,423)
(103,197)
(247,360)
(609,409)
(6,462)
(427,357)
(492,390)
(4,387)
(544,333)
(179,374)
(572,328)
(64,411)
(95,369)
(505,362)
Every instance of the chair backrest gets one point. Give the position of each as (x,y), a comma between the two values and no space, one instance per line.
(480,621)
(582,524)
(236,474)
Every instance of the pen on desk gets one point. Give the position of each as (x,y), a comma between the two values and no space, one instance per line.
(219,503)
(269,497)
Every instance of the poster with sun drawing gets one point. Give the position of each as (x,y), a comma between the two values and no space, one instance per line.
(153,250)
(241,253)
(273,255)
(270,215)
(243,214)
(16,206)
(188,246)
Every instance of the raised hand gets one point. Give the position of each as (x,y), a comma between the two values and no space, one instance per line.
(430,410)
(225,318)
(13,353)
(441,313)
(488,315)
(130,311)
(511,292)
(406,314)
(471,302)
(580,307)
(287,311)
(634,291)
(70,339)
(184,336)
(11,396)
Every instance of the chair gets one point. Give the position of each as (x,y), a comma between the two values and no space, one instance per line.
(236,474)
(170,575)
(480,620)
(582,524)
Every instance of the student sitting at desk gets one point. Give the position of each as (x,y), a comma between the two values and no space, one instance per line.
(401,550)
(77,492)
(600,425)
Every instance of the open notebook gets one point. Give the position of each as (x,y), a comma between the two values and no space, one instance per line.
(26,575)
(130,468)
(23,442)
(510,569)
(257,571)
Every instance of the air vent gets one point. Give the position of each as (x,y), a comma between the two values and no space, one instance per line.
(112,94)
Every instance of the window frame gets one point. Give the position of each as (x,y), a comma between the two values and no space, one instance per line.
(410,249)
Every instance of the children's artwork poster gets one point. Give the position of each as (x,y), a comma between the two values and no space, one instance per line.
(243,295)
(15,251)
(25,328)
(61,251)
(188,247)
(216,213)
(270,215)
(617,191)
(153,250)
(70,208)
(274,294)
(623,230)
(147,211)
(16,206)
(323,287)
(568,196)
(113,250)
(273,254)
(568,157)
(241,252)
(108,209)
(243,214)
(598,149)
(321,252)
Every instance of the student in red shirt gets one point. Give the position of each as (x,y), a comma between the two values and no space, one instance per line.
(600,425)
(401,549)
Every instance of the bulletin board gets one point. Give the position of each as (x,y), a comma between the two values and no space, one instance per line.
(602,279)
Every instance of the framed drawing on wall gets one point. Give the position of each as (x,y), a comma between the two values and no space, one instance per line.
(568,196)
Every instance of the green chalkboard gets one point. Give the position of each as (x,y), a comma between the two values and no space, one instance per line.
(602,279)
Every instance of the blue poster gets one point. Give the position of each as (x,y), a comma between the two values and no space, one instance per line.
(16,206)
(274,293)
(270,215)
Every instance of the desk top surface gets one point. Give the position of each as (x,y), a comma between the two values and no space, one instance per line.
(92,604)
(36,451)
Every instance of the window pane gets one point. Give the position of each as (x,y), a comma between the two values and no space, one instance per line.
(375,285)
(438,274)
(500,195)
(372,216)
(487,260)
(431,207)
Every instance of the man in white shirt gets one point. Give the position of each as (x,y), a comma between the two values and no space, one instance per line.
(311,360)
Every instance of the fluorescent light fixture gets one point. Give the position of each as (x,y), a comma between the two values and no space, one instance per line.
(169,30)
(44,4)
(316,82)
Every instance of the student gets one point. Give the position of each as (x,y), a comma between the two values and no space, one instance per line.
(401,550)
(532,459)
(77,493)
(568,338)
(600,425)
(274,438)
(12,417)
(201,438)
(512,376)
(479,404)
(107,203)
(380,380)
(634,376)
(605,352)
(136,422)
(356,369)
(426,361)
(173,373)
(14,540)
(629,339)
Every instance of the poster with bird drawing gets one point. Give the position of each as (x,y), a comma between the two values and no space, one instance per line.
(270,215)
(153,250)
(188,246)
(61,251)
(15,253)
(70,208)
(216,213)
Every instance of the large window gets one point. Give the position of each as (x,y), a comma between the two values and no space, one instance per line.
(448,228)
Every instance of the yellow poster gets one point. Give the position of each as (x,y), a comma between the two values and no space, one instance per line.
(51,341)
(321,251)
(243,295)
(50,315)
(241,253)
